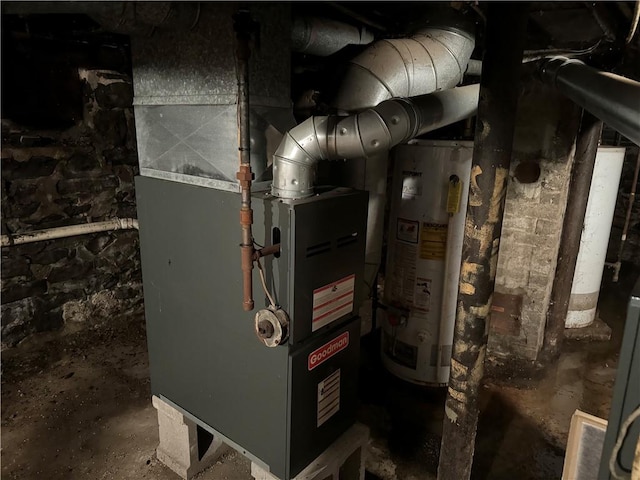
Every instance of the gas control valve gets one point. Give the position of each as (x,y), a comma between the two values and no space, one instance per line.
(272,326)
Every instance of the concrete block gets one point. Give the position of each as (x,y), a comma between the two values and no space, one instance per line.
(344,459)
(556,181)
(533,328)
(530,192)
(544,252)
(541,271)
(548,212)
(179,447)
(552,199)
(519,223)
(551,228)
(513,270)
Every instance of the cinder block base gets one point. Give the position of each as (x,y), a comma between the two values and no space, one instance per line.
(182,445)
(343,460)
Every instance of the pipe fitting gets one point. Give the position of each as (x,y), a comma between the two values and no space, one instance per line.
(549,69)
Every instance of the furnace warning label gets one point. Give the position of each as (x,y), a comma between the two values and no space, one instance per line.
(328,397)
(433,241)
(332,302)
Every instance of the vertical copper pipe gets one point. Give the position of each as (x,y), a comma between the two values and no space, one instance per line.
(499,90)
(243,25)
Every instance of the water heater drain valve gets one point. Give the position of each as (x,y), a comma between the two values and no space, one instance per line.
(272,326)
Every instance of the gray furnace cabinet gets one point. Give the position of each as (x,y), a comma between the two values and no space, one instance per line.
(280,406)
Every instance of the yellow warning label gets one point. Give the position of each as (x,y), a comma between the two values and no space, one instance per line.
(433,241)
(454,195)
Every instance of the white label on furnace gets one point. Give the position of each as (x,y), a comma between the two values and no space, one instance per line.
(328,397)
(332,302)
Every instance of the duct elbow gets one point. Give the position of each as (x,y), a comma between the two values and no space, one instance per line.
(434,59)
(292,179)
(294,162)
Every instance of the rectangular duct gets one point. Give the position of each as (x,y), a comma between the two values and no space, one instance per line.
(186,96)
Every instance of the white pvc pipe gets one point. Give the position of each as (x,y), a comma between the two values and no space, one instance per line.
(70,231)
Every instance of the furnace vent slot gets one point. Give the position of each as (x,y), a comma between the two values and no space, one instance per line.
(348,240)
(318,249)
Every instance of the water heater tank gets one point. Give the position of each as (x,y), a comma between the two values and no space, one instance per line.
(601,207)
(426,227)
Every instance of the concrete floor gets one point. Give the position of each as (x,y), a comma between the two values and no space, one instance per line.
(77,405)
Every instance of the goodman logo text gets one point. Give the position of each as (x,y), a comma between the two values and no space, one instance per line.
(328,350)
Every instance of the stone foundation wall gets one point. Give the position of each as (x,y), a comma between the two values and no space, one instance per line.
(56,178)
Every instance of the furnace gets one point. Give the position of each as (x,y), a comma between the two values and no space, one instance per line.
(253,274)
(281,406)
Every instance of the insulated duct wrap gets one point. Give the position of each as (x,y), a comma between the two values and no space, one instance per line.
(433,59)
(363,135)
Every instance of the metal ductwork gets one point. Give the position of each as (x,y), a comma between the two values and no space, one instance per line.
(363,135)
(433,59)
(612,98)
(324,37)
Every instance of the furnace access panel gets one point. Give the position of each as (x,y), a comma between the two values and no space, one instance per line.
(280,406)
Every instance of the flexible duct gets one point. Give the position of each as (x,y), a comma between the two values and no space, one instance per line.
(613,99)
(324,37)
(433,59)
(363,135)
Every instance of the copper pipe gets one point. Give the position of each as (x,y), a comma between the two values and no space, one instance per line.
(266,251)
(243,26)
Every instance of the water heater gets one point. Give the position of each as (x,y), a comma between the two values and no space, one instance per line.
(426,227)
(594,241)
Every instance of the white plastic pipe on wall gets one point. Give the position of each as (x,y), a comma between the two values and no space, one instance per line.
(70,231)
(595,237)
